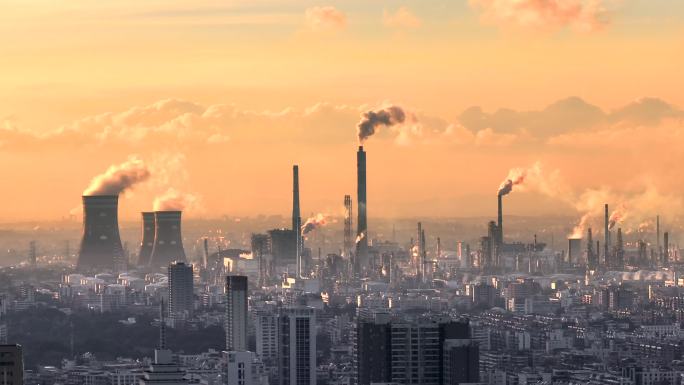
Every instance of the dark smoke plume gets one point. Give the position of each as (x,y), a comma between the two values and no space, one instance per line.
(313,223)
(371,120)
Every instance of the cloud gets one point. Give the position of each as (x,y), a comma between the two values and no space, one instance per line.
(568,115)
(401,18)
(325,18)
(579,15)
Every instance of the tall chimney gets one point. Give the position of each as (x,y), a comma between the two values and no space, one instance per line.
(606,240)
(658,234)
(362,224)
(666,248)
(101,243)
(499,223)
(168,241)
(297,219)
(147,241)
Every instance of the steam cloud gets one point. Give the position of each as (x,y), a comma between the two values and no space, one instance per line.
(313,223)
(173,200)
(119,178)
(371,120)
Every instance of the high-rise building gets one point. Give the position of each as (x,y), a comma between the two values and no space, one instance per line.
(181,298)
(348,223)
(461,360)
(236,313)
(424,351)
(373,350)
(261,251)
(266,330)
(283,246)
(297,346)
(11,365)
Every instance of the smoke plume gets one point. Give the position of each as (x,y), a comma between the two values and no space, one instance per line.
(578,230)
(119,178)
(616,217)
(313,223)
(515,176)
(371,120)
(360,237)
(174,200)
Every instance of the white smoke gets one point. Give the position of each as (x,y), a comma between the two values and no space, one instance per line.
(119,178)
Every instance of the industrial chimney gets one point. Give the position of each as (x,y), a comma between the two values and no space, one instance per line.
(500,221)
(168,242)
(362,224)
(147,241)
(297,219)
(101,244)
(606,241)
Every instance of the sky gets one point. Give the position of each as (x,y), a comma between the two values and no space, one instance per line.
(218,99)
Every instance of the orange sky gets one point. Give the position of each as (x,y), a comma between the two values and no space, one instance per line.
(220,98)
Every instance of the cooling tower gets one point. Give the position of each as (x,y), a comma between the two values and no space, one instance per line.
(168,242)
(101,244)
(147,242)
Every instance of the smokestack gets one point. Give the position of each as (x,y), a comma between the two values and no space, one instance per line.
(101,243)
(666,248)
(297,218)
(362,224)
(168,242)
(147,241)
(500,220)
(658,233)
(591,260)
(206,252)
(606,240)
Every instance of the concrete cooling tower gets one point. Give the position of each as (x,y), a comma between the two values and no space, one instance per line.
(101,243)
(168,242)
(147,242)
